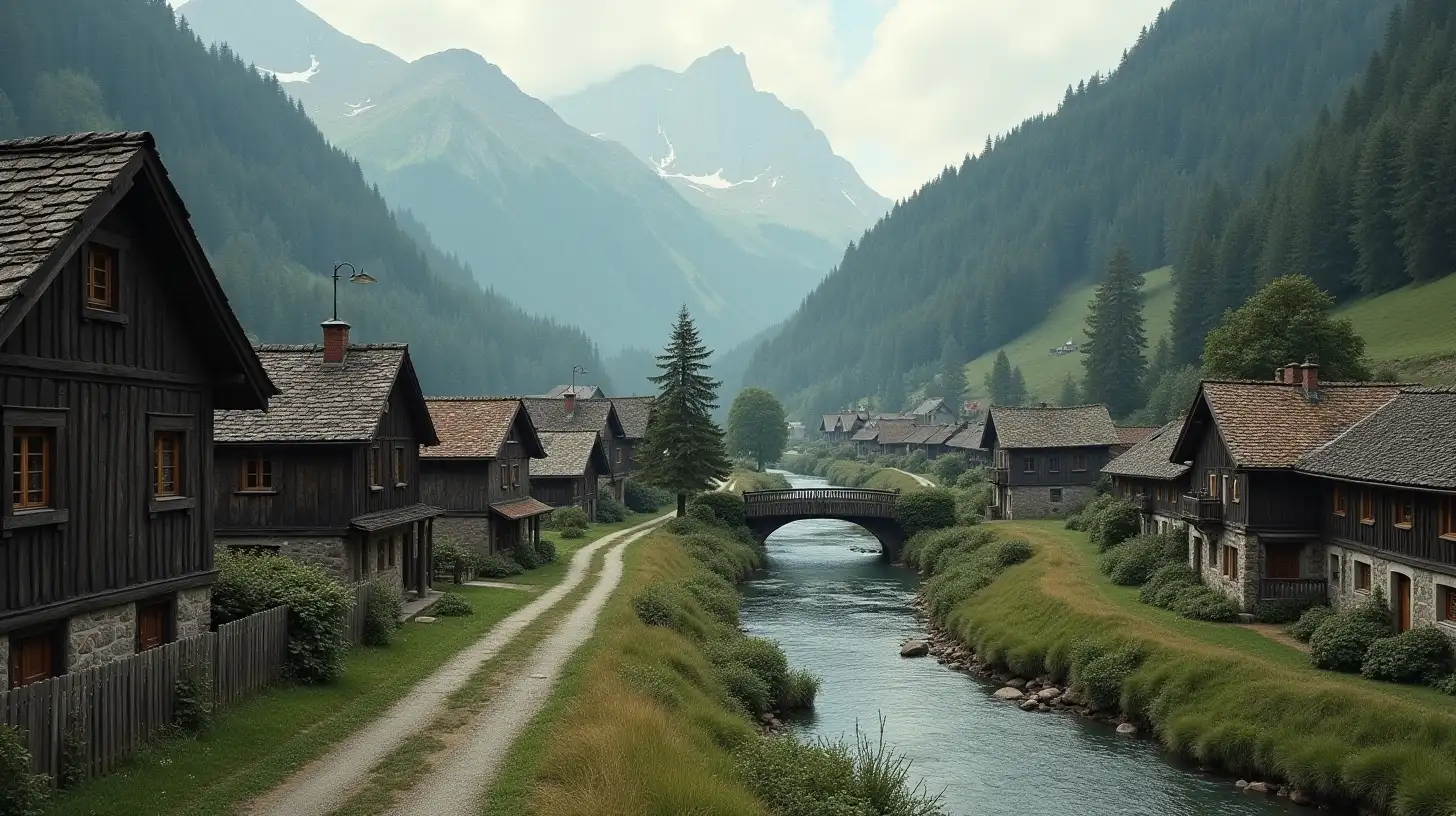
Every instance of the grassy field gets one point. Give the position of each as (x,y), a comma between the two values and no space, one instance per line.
(1411,331)
(748,480)
(1222,695)
(1044,372)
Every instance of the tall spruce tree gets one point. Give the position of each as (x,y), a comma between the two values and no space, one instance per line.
(998,382)
(1379,264)
(1017,394)
(683,451)
(1114,362)
(1191,317)
(1068,397)
(952,375)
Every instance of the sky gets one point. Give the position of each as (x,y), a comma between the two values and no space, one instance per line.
(901,87)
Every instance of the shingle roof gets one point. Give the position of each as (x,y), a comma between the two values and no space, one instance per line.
(868,433)
(895,431)
(968,439)
(384,519)
(549,415)
(634,413)
(929,406)
(1270,425)
(941,434)
(567,454)
(318,402)
(582,392)
(1073,427)
(1410,441)
(1133,435)
(1151,458)
(520,508)
(472,427)
(921,435)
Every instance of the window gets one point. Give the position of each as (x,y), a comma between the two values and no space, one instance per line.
(1447,609)
(1212,552)
(1231,563)
(1341,502)
(1056,495)
(1367,507)
(1079,463)
(1054,464)
(101,263)
(505,475)
(1234,490)
(1028,464)
(399,480)
(1362,576)
(33,658)
(31,464)
(1448,518)
(1212,484)
(515,475)
(1403,511)
(257,473)
(167,450)
(153,624)
(374,480)
(619,456)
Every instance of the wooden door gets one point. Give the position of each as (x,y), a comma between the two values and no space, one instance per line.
(152,624)
(1400,592)
(32,659)
(1281,562)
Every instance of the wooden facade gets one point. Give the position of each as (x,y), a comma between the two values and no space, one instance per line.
(1050,467)
(1415,525)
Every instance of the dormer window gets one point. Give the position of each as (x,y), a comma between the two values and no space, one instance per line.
(101,273)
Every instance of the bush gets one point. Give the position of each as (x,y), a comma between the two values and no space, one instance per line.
(1073,522)
(701,513)
(800,689)
(21,792)
(452,605)
(1285,610)
(971,478)
(656,605)
(563,517)
(684,525)
(715,595)
(1447,685)
(744,687)
(318,608)
(525,554)
(1375,609)
(73,752)
(1134,561)
(453,557)
(1110,521)
(923,510)
(763,657)
(1202,603)
(573,532)
(609,510)
(192,702)
(1419,656)
(1303,629)
(644,498)
(497,566)
(546,550)
(381,613)
(1168,576)
(1340,642)
(727,508)
(948,469)
(931,552)
(1100,672)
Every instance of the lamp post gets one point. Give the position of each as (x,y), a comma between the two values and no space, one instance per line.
(575,370)
(355,276)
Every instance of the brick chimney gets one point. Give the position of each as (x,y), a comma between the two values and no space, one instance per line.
(1310,369)
(570,402)
(336,340)
(1291,374)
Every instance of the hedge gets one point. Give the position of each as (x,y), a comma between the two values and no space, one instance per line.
(923,510)
(318,608)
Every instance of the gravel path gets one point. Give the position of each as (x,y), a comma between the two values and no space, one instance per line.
(326,783)
(457,783)
(920,480)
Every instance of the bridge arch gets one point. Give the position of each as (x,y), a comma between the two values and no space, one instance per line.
(874,510)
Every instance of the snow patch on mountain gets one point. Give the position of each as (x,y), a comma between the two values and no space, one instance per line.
(713,180)
(296,76)
(355,110)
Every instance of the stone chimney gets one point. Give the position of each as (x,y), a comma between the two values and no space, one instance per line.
(336,340)
(1310,369)
(570,397)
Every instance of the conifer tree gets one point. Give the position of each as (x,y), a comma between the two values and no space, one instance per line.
(1068,396)
(1114,361)
(1191,302)
(1018,395)
(683,451)
(952,375)
(1379,264)
(894,398)
(999,382)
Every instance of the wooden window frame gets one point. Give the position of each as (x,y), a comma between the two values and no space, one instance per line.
(55,633)
(1028,464)
(1055,495)
(505,474)
(34,454)
(1446,604)
(1212,483)
(255,473)
(1447,520)
(1054,464)
(1079,463)
(1341,502)
(1367,507)
(169,621)
(515,475)
(1231,562)
(1234,492)
(1364,579)
(184,427)
(398,465)
(110,302)
(1403,511)
(372,465)
(22,418)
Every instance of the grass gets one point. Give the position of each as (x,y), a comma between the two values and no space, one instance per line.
(891,479)
(1045,372)
(744,481)
(1222,695)
(1411,331)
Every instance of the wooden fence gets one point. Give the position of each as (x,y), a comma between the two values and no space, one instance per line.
(360,613)
(114,708)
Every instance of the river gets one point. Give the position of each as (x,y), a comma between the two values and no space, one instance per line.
(843,614)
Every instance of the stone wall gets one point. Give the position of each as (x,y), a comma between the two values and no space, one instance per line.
(1243,590)
(101,637)
(330,553)
(473,532)
(1036,502)
(1424,586)
(1155,522)
(194,612)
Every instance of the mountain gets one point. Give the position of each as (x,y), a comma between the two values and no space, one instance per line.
(568,225)
(730,147)
(1214,91)
(274,205)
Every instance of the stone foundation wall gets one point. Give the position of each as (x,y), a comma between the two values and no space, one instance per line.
(1424,586)
(473,532)
(1153,522)
(1243,590)
(1036,502)
(194,612)
(329,553)
(101,637)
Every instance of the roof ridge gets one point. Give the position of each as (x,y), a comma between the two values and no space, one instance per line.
(302,347)
(1322,383)
(79,141)
(473,399)
(1050,407)
(1429,389)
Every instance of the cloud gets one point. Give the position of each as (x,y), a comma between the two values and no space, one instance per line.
(938,77)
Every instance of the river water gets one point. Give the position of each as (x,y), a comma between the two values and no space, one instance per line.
(843,614)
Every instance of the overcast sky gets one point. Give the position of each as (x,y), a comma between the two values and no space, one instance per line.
(902,87)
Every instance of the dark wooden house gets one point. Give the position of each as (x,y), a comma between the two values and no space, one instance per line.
(933,411)
(1146,476)
(330,474)
(1046,460)
(568,476)
(842,427)
(116,344)
(571,415)
(967,442)
(1254,523)
(480,473)
(634,414)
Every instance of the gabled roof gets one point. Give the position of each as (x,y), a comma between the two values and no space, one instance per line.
(1150,458)
(582,392)
(549,414)
(895,431)
(921,434)
(384,519)
(829,423)
(568,453)
(930,406)
(1410,442)
(1079,426)
(55,191)
(477,427)
(1132,435)
(941,434)
(634,412)
(1272,424)
(520,508)
(869,433)
(968,439)
(328,402)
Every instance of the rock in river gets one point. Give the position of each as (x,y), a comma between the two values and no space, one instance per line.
(1046,695)
(1127,729)
(1008,693)
(914,648)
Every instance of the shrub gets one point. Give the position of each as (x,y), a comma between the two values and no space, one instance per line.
(1110,522)
(525,553)
(715,595)
(1134,561)
(1165,577)
(925,510)
(497,566)
(1303,629)
(563,517)
(1284,610)
(727,508)
(192,702)
(684,525)
(546,550)
(948,469)
(763,657)
(573,532)
(971,503)
(800,689)
(702,514)
(1202,603)
(452,605)
(381,613)
(609,510)
(453,557)
(21,792)
(656,605)
(318,608)
(73,753)
(1447,685)
(926,550)
(1421,655)
(744,687)
(971,478)
(1375,609)
(1100,671)
(1073,522)
(1340,642)
(644,498)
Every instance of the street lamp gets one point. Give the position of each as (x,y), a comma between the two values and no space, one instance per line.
(575,370)
(355,276)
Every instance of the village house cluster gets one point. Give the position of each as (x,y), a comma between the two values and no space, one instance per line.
(144,429)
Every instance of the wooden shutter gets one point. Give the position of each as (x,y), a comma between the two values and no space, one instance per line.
(152,624)
(32,659)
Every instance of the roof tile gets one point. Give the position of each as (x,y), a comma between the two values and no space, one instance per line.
(319,402)
(1271,425)
(1409,441)
(1152,457)
(470,427)
(567,454)
(1071,427)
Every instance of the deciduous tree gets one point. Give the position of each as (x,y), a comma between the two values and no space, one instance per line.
(757,426)
(1287,321)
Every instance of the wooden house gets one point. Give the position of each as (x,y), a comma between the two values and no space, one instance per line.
(568,476)
(1146,476)
(1254,523)
(933,412)
(330,475)
(842,426)
(116,344)
(634,413)
(1046,460)
(892,436)
(967,442)
(571,415)
(1127,436)
(480,473)
(866,440)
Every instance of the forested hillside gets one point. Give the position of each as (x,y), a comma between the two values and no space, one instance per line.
(274,204)
(1366,205)
(1213,92)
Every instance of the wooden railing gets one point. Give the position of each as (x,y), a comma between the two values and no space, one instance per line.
(1201,509)
(826,501)
(1288,589)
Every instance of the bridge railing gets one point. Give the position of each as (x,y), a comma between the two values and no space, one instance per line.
(821,501)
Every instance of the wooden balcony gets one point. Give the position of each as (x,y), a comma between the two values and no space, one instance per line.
(1296,589)
(1200,510)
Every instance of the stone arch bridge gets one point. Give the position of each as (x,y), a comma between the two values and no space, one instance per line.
(874,510)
